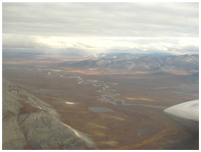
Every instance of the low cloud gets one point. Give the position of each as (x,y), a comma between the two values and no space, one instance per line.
(101,45)
(98,27)
(21,41)
(102,19)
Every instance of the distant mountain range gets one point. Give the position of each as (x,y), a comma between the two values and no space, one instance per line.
(122,54)
(180,65)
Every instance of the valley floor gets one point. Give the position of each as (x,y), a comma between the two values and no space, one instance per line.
(129,107)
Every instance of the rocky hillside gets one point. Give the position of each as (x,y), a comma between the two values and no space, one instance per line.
(30,123)
(184,64)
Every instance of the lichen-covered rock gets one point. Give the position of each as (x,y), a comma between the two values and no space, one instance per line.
(28,120)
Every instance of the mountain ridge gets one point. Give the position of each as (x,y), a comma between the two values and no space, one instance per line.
(30,123)
(186,64)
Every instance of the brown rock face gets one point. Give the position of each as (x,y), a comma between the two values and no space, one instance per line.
(30,123)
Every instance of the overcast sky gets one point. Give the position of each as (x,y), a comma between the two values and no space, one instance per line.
(101,27)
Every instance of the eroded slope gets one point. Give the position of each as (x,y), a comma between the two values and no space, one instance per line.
(30,123)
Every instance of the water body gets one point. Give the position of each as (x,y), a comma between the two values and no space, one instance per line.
(66,102)
(109,95)
(99,109)
(71,103)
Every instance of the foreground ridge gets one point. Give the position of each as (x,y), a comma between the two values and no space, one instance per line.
(30,123)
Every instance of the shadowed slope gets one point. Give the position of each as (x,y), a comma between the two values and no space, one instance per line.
(30,123)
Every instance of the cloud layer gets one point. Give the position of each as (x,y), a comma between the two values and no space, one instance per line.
(60,25)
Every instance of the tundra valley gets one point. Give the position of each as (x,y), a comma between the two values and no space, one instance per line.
(107,101)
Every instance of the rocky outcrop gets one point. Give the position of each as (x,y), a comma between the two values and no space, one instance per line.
(30,123)
(182,64)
